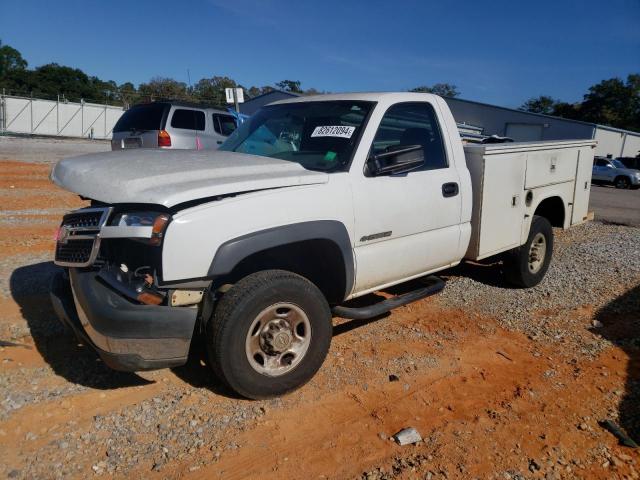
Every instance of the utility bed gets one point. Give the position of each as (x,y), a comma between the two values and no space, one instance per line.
(507,178)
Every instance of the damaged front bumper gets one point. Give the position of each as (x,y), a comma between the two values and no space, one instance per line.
(128,336)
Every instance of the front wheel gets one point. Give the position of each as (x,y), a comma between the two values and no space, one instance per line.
(527,265)
(622,182)
(269,334)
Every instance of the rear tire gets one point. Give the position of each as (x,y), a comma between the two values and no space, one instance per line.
(269,334)
(622,182)
(527,265)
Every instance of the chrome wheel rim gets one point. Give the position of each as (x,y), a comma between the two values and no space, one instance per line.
(278,339)
(537,252)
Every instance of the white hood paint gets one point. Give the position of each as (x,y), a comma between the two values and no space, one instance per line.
(171,177)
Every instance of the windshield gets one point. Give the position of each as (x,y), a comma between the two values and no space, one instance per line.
(317,135)
(618,164)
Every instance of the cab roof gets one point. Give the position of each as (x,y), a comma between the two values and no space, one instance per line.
(361,96)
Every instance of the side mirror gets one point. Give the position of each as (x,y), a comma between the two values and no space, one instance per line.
(399,159)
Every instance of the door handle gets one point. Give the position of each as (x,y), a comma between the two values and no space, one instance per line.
(450,189)
(219,142)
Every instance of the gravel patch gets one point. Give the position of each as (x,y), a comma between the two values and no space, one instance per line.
(47,150)
(157,431)
(32,217)
(592,264)
(30,386)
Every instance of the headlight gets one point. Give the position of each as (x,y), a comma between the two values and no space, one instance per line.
(155,220)
(135,219)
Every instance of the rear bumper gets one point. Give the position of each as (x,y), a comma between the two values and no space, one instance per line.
(127,336)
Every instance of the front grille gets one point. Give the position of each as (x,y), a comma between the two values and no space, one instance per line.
(78,238)
(84,220)
(75,252)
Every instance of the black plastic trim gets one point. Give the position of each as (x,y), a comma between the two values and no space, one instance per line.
(232,252)
(114,316)
(64,307)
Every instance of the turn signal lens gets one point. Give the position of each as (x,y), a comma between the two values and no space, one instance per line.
(164,139)
(149,298)
(159,226)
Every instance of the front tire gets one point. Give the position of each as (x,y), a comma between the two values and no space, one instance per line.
(622,182)
(269,334)
(527,265)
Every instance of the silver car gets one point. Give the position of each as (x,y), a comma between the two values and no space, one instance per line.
(614,172)
(172,125)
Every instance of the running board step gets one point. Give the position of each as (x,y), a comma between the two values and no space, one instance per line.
(362,313)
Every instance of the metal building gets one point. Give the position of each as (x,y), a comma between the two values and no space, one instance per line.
(252,105)
(528,127)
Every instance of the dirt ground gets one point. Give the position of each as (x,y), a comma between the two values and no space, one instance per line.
(489,401)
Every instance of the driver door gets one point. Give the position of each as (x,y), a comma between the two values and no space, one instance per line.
(600,170)
(407,224)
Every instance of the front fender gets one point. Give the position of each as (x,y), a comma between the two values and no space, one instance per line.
(232,252)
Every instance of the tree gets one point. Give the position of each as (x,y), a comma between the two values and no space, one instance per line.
(567,110)
(614,102)
(542,104)
(442,89)
(126,93)
(313,91)
(256,91)
(52,79)
(160,87)
(212,90)
(10,60)
(292,86)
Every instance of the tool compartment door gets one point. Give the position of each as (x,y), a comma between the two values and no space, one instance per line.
(582,186)
(502,207)
(547,167)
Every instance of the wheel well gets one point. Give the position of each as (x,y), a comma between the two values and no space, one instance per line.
(552,209)
(320,261)
(626,177)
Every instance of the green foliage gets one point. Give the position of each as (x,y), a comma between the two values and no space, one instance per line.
(255,91)
(567,110)
(542,104)
(614,102)
(10,60)
(442,89)
(53,80)
(292,86)
(212,90)
(161,88)
(610,102)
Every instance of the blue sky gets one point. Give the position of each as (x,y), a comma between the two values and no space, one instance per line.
(500,52)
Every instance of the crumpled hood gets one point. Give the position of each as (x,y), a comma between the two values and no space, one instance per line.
(171,177)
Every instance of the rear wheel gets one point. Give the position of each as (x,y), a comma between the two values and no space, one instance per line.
(527,265)
(622,182)
(269,334)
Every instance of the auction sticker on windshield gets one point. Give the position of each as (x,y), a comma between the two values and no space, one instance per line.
(333,131)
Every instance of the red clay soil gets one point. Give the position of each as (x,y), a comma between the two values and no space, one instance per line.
(489,403)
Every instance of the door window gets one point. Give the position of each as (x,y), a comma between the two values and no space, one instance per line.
(224,124)
(407,124)
(188,119)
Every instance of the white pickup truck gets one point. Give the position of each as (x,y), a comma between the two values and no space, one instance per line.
(310,203)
